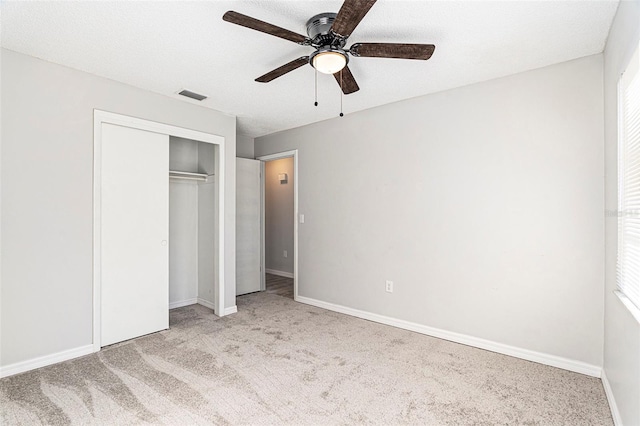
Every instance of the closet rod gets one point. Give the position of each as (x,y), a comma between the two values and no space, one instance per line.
(174,174)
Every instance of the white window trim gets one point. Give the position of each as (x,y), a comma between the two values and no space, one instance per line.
(634,310)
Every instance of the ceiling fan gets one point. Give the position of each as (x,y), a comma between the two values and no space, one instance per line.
(328,34)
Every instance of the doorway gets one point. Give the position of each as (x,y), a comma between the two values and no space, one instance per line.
(279,223)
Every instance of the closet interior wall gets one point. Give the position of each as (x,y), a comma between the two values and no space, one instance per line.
(192,224)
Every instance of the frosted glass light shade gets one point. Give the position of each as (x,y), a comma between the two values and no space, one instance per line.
(329,62)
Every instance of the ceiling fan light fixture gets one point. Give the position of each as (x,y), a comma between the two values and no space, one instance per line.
(329,61)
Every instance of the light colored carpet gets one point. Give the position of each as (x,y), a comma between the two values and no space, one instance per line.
(280,362)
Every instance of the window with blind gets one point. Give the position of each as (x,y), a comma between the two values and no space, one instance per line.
(629,182)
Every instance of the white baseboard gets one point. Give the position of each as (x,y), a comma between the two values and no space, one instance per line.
(43,361)
(279,273)
(206,303)
(182,303)
(231,310)
(529,355)
(210,305)
(617,420)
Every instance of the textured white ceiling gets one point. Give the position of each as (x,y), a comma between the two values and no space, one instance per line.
(166,46)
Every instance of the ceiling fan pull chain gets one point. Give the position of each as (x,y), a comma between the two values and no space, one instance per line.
(341,94)
(316,102)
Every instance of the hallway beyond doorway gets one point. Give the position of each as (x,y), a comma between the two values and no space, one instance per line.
(281,286)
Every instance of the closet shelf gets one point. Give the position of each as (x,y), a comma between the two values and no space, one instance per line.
(174,174)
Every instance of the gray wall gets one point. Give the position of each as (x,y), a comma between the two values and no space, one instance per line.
(183,241)
(244,146)
(47,205)
(279,216)
(483,204)
(622,330)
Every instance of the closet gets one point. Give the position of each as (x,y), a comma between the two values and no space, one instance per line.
(155,229)
(192,223)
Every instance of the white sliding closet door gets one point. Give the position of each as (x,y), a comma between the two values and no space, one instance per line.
(134,233)
(247,226)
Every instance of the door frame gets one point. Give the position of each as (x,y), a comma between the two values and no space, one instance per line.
(100,117)
(296,220)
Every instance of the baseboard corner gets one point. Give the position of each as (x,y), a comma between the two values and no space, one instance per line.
(231,310)
(227,311)
(205,303)
(615,413)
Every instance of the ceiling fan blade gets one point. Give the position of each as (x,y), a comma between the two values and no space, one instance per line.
(256,24)
(280,71)
(393,50)
(350,15)
(349,84)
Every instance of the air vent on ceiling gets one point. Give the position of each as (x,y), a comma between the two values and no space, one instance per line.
(192,95)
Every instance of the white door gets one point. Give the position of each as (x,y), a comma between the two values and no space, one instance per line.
(134,233)
(247,226)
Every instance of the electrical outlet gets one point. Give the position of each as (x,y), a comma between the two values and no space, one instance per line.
(284,253)
(389,286)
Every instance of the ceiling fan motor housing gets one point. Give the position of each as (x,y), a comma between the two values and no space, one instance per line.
(319,31)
